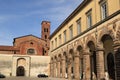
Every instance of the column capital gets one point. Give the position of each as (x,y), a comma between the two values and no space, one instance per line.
(76,55)
(86,52)
(99,48)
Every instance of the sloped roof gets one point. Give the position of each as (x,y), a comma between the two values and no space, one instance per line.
(27,36)
(8,48)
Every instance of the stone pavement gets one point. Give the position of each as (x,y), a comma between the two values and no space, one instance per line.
(30,78)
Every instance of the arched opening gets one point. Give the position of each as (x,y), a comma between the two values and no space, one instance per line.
(117,63)
(92,59)
(66,65)
(72,67)
(20,71)
(81,67)
(108,56)
(110,64)
(30,51)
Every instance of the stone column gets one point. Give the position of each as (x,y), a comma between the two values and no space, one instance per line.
(87,71)
(58,68)
(51,69)
(117,59)
(63,66)
(100,62)
(77,66)
(69,62)
(54,71)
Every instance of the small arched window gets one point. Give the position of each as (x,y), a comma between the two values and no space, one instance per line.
(45,36)
(30,51)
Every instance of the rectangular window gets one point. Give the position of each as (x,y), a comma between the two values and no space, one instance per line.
(52,45)
(65,36)
(103,10)
(71,31)
(60,42)
(89,18)
(78,26)
(55,42)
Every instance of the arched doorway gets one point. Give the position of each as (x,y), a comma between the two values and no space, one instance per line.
(117,63)
(93,62)
(110,64)
(108,55)
(20,71)
(81,68)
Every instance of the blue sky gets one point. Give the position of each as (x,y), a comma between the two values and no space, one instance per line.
(24,17)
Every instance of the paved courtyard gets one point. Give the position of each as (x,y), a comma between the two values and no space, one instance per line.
(29,78)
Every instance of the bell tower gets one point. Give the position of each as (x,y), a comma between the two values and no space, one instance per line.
(46,32)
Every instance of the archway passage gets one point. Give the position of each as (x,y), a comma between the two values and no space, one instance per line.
(20,71)
(117,63)
(110,63)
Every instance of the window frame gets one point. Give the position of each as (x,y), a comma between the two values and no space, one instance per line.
(65,35)
(78,26)
(71,32)
(103,2)
(89,21)
(60,42)
(30,49)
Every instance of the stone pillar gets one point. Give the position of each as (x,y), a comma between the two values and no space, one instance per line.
(77,66)
(117,59)
(51,69)
(63,66)
(69,62)
(54,71)
(100,62)
(87,71)
(58,68)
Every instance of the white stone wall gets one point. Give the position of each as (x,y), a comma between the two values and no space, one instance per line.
(36,64)
(5,64)
(39,65)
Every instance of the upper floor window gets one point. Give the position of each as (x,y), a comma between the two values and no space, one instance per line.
(89,18)
(60,39)
(52,45)
(45,36)
(71,31)
(45,29)
(78,26)
(103,9)
(55,42)
(30,51)
(65,36)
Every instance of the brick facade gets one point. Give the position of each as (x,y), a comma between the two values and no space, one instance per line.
(22,45)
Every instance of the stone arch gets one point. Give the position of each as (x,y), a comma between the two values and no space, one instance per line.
(21,64)
(91,38)
(107,41)
(93,60)
(105,32)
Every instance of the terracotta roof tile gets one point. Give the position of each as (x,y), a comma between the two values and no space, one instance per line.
(8,48)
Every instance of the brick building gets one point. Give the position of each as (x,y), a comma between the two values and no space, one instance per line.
(30,44)
(26,56)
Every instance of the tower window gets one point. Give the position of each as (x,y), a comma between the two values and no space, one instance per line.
(47,30)
(45,36)
(44,29)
